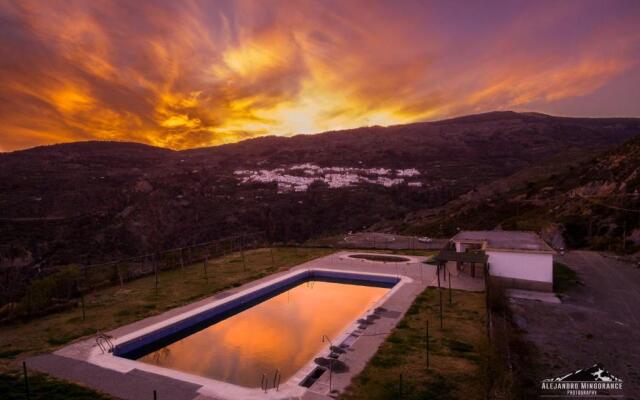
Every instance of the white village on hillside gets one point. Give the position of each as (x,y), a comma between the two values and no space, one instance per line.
(299,177)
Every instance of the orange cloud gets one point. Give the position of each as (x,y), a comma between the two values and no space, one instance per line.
(196,73)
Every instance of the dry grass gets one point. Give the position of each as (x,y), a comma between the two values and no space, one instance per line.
(458,353)
(43,387)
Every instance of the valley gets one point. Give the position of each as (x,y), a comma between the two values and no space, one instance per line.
(97,201)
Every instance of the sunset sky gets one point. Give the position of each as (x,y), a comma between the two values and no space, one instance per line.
(183,74)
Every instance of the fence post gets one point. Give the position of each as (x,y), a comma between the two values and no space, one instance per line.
(28,302)
(244,263)
(205,262)
(440,293)
(450,289)
(120,274)
(155,395)
(427,342)
(487,302)
(26,380)
(400,386)
(155,270)
(82,303)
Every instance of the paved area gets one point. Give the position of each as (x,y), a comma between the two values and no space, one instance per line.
(132,385)
(531,295)
(70,362)
(596,322)
(376,240)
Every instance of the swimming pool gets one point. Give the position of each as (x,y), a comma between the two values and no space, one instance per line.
(276,327)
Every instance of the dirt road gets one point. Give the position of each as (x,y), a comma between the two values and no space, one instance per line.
(598,321)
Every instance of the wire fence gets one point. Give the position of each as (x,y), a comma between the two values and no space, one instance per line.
(26,292)
(124,270)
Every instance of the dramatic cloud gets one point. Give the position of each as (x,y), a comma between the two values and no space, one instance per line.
(195,73)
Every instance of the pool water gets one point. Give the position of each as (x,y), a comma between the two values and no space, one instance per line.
(283,332)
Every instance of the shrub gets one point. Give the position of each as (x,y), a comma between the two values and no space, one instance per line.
(563,277)
(42,293)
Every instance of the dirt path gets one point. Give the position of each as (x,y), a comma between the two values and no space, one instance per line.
(596,322)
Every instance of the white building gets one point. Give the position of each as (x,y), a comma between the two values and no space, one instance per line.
(516,259)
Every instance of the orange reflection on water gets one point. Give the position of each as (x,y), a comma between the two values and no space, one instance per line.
(283,332)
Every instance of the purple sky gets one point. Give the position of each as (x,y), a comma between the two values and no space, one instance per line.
(197,73)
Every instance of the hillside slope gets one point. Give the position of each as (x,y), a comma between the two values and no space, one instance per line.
(100,200)
(588,202)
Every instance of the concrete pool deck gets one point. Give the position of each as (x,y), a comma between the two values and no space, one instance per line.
(77,362)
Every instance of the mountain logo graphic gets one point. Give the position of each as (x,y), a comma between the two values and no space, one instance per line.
(583,383)
(596,373)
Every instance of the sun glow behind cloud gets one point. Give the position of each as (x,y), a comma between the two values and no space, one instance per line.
(197,73)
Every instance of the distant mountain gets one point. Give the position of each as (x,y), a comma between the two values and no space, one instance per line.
(583,200)
(91,201)
(504,140)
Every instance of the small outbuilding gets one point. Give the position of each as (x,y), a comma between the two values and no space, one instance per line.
(516,259)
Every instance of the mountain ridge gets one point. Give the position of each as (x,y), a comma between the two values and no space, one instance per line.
(473,118)
(99,200)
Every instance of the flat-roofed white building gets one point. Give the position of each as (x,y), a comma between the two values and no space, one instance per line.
(516,259)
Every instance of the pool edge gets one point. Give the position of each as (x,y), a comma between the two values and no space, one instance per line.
(221,389)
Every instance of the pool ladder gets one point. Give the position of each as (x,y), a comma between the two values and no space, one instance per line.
(104,342)
(264,384)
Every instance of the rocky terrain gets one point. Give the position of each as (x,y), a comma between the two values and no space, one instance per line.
(92,201)
(580,201)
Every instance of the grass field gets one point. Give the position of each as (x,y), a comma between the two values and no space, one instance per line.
(457,353)
(43,387)
(115,306)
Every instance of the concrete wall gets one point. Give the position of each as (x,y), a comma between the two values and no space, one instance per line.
(523,284)
(536,267)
